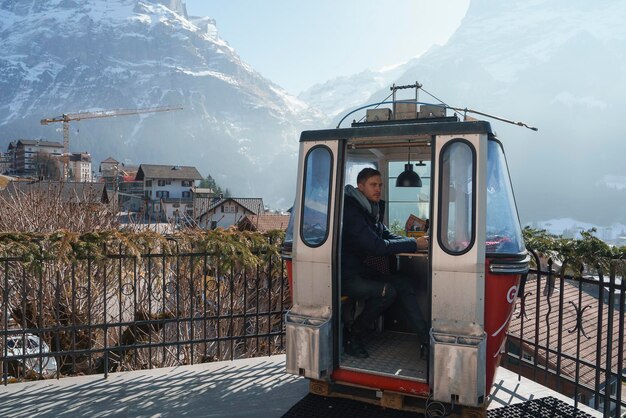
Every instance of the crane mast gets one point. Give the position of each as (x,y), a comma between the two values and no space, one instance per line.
(66,118)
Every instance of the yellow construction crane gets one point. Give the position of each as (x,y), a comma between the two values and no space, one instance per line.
(66,118)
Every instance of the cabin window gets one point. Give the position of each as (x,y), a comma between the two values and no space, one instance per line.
(316,196)
(457,197)
(406,201)
(504,234)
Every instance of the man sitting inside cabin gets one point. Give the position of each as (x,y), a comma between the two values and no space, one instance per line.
(367,239)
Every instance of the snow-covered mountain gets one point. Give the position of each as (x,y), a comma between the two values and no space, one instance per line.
(66,56)
(559,65)
(335,96)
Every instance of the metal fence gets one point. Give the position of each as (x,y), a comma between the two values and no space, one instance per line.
(125,312)
(118,311)
(568,332)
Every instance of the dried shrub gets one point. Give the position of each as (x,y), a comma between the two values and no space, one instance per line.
(124,300)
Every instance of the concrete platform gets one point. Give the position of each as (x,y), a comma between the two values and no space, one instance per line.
(257,387)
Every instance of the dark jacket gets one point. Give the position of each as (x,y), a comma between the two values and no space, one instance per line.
(365,235)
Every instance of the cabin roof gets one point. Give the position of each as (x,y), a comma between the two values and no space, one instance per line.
(398,128)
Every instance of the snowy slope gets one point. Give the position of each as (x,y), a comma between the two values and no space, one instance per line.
(63,56)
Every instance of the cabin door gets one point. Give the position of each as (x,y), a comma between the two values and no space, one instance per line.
(457,358)
(310,321)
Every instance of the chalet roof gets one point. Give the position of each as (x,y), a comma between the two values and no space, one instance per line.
(177,172)
(252,204)
(39,142)
(80,192)
(548,327)
(264,222)
(110,160)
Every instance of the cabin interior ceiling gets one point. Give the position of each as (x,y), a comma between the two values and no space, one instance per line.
(389,148)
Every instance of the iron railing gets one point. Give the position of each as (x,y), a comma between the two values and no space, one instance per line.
(126,312)
(568,332)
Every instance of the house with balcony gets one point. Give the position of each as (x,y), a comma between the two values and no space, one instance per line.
(168,190)
(225,212)
(35,157)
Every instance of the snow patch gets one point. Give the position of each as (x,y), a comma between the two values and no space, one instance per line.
(208,73)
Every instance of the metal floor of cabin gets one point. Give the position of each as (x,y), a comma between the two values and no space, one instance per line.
(391,353)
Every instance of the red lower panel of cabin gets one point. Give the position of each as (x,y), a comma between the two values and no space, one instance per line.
(500,294)
(381,382)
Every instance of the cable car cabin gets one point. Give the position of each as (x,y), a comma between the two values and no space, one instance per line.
(465,283)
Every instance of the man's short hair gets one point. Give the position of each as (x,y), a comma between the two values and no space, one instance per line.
(365,174)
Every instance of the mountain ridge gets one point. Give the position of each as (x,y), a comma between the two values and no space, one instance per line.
(141,54)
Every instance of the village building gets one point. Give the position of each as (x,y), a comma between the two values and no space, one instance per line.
(67,191)
(168,191)
(203,197)
(226,212)
(79,167)
(36,158)
(108,172)
(264,222)
(5,163)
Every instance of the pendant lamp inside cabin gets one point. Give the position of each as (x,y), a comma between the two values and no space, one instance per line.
(409,178)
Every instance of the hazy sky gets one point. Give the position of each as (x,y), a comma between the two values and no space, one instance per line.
(299,43)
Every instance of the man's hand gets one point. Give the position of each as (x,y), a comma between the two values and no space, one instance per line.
(422,243)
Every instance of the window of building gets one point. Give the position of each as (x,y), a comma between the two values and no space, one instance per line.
(162,183)
(186,194)
(162,193)
(186,183)
(148,183)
